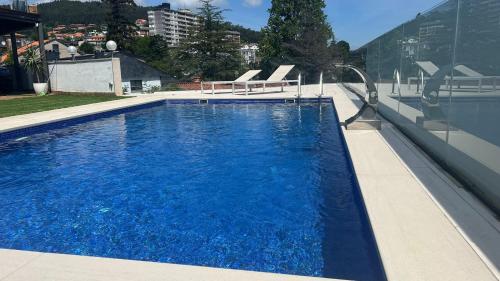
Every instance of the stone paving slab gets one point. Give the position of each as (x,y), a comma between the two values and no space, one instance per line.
(57,267)
(425,226)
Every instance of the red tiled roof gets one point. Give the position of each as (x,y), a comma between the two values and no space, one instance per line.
(22,50)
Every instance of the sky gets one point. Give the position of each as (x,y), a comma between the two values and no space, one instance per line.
(355,21)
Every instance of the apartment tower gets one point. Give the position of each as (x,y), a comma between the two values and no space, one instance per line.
(173,25)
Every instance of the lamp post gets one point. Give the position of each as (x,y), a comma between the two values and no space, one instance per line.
(72,51)
(112,46)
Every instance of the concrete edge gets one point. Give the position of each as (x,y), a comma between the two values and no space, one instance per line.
(438,170)
(489,264)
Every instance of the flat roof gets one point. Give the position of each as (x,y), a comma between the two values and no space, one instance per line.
(11,20)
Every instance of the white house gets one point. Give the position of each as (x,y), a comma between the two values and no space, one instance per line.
(249,53)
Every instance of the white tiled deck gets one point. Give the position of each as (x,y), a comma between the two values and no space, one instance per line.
(426,227)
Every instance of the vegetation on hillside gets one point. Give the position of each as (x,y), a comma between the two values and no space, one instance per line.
(68,12)
(94,12)
(155,52)
(247,35)
(297,33)
(120,28)
(86,48)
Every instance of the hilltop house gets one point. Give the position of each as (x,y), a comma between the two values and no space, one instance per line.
(54,49)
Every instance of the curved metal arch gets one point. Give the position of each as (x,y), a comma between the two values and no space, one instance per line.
(369,109)
(430,94)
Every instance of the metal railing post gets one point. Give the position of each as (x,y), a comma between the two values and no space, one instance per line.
(321,84)
(299,89)
(396,79)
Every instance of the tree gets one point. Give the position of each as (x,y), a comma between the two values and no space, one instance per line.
(297,33)
(343,50)
(155,52)
(150,48)
(208,51)
(120,28)
(87,48)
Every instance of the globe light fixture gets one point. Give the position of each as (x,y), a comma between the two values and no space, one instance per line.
(72,51)
(111,45)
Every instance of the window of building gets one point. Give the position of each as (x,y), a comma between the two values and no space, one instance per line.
(136,85)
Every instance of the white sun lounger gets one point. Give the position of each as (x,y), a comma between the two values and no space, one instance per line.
(243,78)
(470,75)
(278,77)
(426,67)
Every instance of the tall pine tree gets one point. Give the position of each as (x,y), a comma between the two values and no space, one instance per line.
(209,51)
(120,29)
(297,33)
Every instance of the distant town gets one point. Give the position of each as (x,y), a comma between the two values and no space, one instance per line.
(172,25)
(124,48)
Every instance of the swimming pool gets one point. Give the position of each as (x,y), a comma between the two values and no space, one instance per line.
(265,187)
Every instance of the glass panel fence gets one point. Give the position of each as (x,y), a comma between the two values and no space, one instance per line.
(438,79)
(474,110)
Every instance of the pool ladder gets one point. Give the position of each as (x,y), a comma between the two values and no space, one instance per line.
(366,118)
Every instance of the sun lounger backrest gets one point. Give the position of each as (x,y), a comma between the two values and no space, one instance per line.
(428,67)
(280,73)
(248,75)
(467,71)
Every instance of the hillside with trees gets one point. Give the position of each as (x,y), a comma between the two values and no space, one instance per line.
(68,12)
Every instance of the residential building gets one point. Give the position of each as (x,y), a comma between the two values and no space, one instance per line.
(53,48)
(33,8)
(20,5)
(97,40)
(249,53)
(142,27)
(173,25)
(233,36)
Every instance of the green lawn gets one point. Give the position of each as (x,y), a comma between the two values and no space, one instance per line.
(36,104)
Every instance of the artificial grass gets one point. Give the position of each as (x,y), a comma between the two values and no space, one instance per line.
(26,105)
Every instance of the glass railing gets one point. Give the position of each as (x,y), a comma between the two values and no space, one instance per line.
(438,78)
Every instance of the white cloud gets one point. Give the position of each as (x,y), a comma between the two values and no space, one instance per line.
(253,3)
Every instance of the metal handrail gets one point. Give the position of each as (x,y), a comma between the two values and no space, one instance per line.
(321,88)
(396,78)
(371,103)
(299,86)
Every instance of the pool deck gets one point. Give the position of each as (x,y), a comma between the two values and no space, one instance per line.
(427,227)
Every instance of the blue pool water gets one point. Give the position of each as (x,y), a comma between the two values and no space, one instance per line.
(264,187)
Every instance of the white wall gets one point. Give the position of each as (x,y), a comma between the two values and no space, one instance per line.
(85,76)
(147,84)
